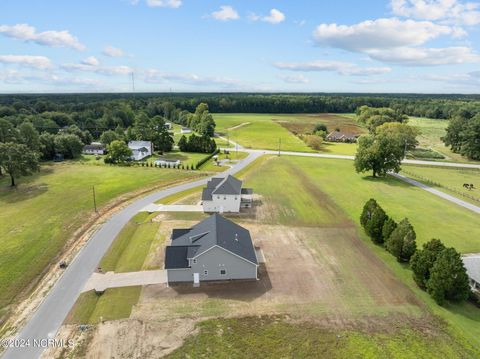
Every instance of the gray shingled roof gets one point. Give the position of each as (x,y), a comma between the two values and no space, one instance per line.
(217,185)
(215,230)
(472,264)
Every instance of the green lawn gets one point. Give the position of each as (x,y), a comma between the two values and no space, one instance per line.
(274,337)
(334,181)
(309,187)
(132,245)
(114,303)
(449,180)
(431,133)
(258,131)
(42,213)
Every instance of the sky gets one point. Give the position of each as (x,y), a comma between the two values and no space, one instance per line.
(394,46)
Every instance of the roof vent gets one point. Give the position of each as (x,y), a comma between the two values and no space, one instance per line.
(236,237)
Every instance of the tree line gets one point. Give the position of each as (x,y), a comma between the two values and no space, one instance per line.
(437,269)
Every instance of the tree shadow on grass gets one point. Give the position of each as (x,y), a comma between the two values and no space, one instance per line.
(26,188)
(387,180)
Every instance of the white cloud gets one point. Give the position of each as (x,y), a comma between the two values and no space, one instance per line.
(103,70)
(340,67)
(38,62)
(275,17)
(165,3)
(449,11)
(112,51)
(396,41)
(155,76)
(225,13)
(294,79)
(381,33)
(411,56)
(91,61)
(26,32)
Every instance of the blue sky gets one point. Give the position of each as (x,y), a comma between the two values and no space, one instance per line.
(428,46)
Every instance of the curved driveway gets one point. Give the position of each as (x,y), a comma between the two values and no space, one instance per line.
(51,313)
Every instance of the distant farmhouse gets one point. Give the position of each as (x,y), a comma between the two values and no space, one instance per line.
(140,149)
(214,249)
(226,195)
(472,264)
(339,136)
(95,148)
(162,162)
(185,130)
(168,125)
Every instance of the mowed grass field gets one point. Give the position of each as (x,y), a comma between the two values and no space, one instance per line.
(338,184)
(431,133)
(258,131)
(449,180)
(42,213)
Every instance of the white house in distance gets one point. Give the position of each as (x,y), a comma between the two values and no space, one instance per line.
(216,249)
(225,194)
(95,148)
(168,125)
(472,265)
(185,130)
(140,149)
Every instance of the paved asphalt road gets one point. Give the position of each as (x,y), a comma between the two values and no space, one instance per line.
(50,315)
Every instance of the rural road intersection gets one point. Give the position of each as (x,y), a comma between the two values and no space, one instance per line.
(50,315)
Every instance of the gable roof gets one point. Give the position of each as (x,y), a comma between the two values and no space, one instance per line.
(218,185)
(472,265)
(140,144)
(213,231)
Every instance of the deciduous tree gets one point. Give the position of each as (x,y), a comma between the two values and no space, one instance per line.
(17,160)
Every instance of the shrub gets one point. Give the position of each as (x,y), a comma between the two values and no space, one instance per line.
(423,260)
(401,242)
(448,278)
(388,227)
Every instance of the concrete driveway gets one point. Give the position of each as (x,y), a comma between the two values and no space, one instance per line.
(172,208)
(100,282)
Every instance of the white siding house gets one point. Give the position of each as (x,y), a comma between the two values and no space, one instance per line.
(185,130)
(95,148)
(212,250)
(225,195)
(140,149)
(472,265)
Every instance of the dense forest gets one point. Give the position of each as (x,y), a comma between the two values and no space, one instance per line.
(140,116)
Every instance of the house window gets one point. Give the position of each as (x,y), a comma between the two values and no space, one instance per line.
(223,272)
(224,198)
(194,261)
(218,197)
(205,272)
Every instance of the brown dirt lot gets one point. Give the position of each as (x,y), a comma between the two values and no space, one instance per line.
(307,271)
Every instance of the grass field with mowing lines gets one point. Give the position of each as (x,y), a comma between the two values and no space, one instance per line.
(114,303)
(42,213)
(432,217)
(350,191)
(258,131)
(132,245)
(275,337)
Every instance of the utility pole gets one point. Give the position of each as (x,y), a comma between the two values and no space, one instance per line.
(279,146)
(94,199)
